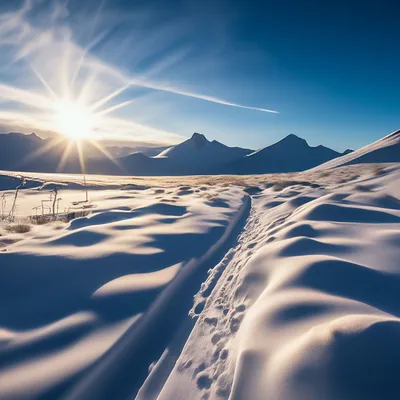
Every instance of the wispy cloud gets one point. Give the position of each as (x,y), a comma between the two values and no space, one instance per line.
(46,64)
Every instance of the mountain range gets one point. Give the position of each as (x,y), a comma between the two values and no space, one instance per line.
(195,156)
(291,154)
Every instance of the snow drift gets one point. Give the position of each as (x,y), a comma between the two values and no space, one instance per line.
(69,292)
(385,150)
(308,304)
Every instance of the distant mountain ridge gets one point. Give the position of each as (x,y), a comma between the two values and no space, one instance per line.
(199,154)
(194,156)
(124,151)
(291,154)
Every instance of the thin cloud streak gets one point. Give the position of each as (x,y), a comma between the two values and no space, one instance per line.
(143,83)
(204,97)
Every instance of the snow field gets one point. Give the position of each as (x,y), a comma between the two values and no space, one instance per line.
(69,292)
(307,305)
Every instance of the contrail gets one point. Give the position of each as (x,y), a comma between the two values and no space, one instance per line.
(144,83)
(211,99)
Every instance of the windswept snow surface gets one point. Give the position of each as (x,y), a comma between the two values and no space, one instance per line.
(70,292)
(301,300)
(385,150)
(308,303)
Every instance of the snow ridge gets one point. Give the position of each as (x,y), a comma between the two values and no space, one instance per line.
(111,378)
(307,307)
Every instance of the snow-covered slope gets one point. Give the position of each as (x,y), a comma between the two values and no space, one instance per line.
(291,154)
(301,300)
(69,292)
(385,150)
(307,306)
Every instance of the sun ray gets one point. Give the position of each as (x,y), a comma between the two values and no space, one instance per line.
(43,81)
(107,154)
(91,44)
(84,54)
(50,145)
(114,108)
(81,157)
(86,87)
(65,70)
(106,99)
(65,156)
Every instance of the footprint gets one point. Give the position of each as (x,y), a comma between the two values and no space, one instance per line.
(211,321)
(201,367)
(184,365)
(204,381)
(235,323)
(240,308)
(217,353)
(216,338)
(224,354)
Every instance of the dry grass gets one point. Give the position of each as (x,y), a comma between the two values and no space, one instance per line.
(42,220)
(378,170)
(324,174)
(47,219)
(18,228)
(280,185)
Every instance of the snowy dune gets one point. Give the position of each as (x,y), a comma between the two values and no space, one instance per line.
(307,306)
(300,300)
(70,291)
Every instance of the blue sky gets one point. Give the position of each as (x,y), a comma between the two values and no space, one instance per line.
(157,71)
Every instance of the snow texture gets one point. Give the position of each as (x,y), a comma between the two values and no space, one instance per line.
(307,306)
(280,286)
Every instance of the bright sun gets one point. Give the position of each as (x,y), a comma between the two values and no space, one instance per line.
(73,120)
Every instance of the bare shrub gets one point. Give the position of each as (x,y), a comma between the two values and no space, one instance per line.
(43,219)
(280,185)
(18,228)
(47,219)
(324,174)
(378,170)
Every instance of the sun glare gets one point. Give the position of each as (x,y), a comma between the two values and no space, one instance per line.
(73,120)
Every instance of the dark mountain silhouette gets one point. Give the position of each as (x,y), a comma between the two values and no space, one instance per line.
(124,151)
(198,155)
(195,156)
(19,152)
(291,154)
(347,151)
